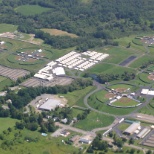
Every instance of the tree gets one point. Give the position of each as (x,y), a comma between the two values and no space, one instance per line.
(131,141)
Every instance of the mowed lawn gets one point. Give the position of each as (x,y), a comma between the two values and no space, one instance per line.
(125,102)
(76,97)
(94,120)
(7,28)
(116,54)
(108,68)
(100,95)
(31,9)
(5,123)
(126,86)
(144,77)
(57,32)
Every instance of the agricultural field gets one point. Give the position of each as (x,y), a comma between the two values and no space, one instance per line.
(124,102)
(28,10)
(94,120)
(57,32)
(7,28)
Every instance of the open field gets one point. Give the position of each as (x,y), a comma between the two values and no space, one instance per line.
(4,82)
(93,102)
(38,145)
(145,77)
(147,110)
(57,32)
(117,54)
(123,126)
(6,123)
(116,86)
(108,68)
(76,97)
(124,101)
(94,120)
(7,28)
(31,9)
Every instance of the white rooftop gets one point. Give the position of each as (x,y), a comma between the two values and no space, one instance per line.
(59,71)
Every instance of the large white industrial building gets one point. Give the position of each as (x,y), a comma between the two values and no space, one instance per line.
(72,60)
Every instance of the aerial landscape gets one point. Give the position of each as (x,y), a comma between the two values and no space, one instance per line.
(76,77)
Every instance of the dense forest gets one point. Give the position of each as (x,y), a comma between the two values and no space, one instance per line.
(93,21)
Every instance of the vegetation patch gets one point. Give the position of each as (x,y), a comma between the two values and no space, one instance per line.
(94,120)
(57,32)
(145,77)
(28,10)
(7,28)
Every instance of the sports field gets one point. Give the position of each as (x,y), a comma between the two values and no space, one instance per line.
(121,87)
(94,120)
(124,101)
(31,9)
(102,95)
(145,77)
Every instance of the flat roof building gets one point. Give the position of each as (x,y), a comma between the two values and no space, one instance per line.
(143,133)
(50,104)
(132,128)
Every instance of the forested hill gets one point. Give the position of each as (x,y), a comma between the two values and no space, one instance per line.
(105,19)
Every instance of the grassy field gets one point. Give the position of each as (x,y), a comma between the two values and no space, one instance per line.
(7,28)
(94,120)
(147,110)
(138,63)
(126,86)
(123,126)
(31,9)
(93,102)
(76,97)
(40,145)
(4,82)
(6,123)
(108,69)
(57,32)
(116,54)
(100,95)
(144,77)
(122,102)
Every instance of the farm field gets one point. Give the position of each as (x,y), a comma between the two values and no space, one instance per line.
(57,32)
(124,101)
(96,104)
(94,120)
(76,97)
(31,9)
(7,28)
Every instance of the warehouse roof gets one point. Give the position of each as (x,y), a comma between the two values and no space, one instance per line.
(59,71)
(132,128)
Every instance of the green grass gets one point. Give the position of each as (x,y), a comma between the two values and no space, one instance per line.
(44,145)
(147,110)
(120,86)
(93,102)
(76,111)
(5,123)
(138,63)
(76,97)
(123,104)
(31,9)
(144,77)
(7,28)
(94,120)
(100,95)
(4,82)
(123,126)
(116,54)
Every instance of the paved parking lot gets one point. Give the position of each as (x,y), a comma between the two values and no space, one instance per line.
(13,74)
